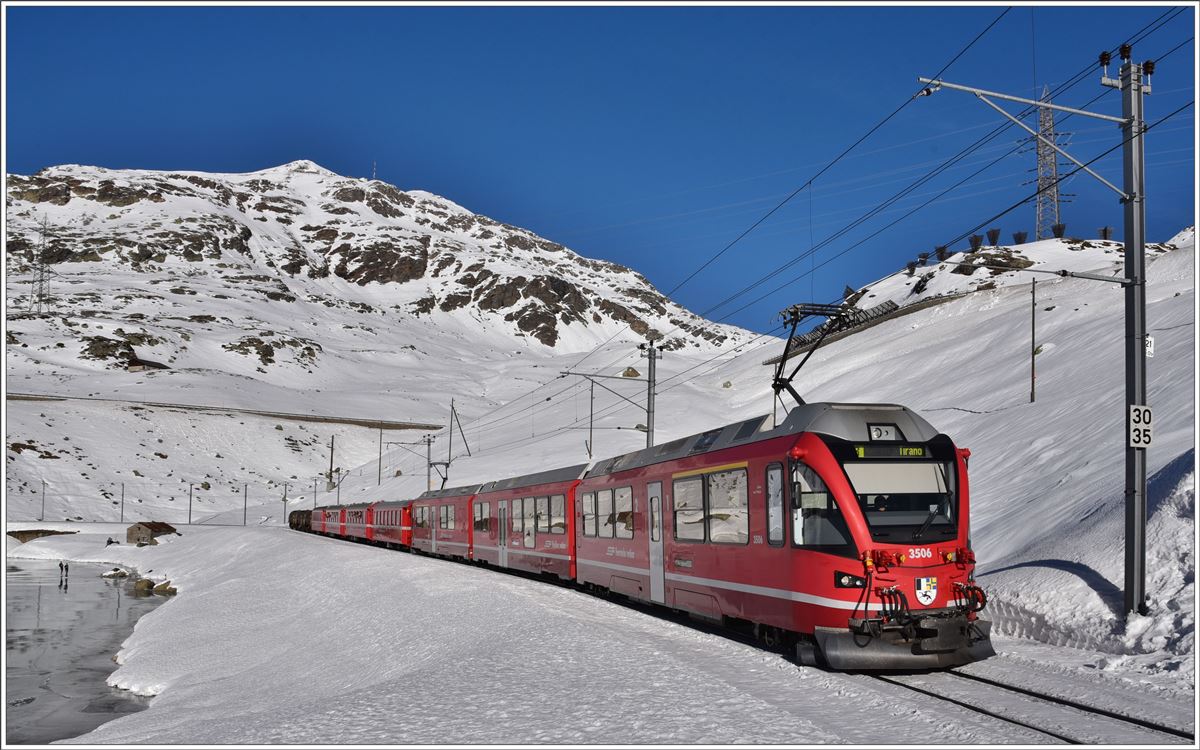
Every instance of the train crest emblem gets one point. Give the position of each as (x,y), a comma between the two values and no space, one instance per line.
(927,590)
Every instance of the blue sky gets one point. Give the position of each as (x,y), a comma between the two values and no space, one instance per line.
(648,136)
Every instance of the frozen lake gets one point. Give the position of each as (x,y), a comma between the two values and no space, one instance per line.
(60,639)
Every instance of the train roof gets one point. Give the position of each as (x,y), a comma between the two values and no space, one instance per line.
(565,474)
(469,489)
(845,421)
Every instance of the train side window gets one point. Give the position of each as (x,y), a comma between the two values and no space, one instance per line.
(558,514)
(482,511)
(687,503)
(775,505)
(441,516)
(543,514)
(530,515)
(517,516)
(624,513)
(728,515)
(450,517)
(654,510)
(604,514)
(589,514)
(817,521)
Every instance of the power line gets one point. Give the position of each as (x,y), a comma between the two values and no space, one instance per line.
(1073,81)
(830,165)
(1145,31)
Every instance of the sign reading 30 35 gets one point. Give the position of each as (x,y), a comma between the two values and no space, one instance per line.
(1141,429)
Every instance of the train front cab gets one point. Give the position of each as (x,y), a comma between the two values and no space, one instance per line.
(887,521)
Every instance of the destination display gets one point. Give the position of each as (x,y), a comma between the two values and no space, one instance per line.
(876,450)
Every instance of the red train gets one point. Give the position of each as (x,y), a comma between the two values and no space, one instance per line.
(842,533)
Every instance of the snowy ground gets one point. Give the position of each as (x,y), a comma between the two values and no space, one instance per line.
(333,642)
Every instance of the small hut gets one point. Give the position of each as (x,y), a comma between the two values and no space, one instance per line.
(146,531)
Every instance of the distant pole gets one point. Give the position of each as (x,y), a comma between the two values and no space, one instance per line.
(450,444)
(189,503)
(43,516)
(379,479)
(429,462)
(1033,345)
(245,501)
(591,418)
(653,354)
(330,477)
(339,488)
(314,493)
(122,502)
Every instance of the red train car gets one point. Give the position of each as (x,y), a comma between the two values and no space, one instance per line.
(325,519)
(387,524)
(441,522)
(354,520)
(525,523)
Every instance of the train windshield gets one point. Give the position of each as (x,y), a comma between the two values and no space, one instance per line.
(906,501)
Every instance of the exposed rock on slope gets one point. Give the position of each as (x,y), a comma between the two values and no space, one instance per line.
(290,233)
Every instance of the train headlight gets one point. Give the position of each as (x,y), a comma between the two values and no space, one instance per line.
(848,581)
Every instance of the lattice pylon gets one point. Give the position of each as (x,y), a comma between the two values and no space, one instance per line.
(1047,172)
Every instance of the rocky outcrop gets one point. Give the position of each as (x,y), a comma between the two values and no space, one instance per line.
(300,222)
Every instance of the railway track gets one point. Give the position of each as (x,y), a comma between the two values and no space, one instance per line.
(1061,719)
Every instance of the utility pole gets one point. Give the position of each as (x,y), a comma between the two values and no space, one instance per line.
(42,517)
(314,493)
(653,355)
(1133,196)
(429,462)
(189,503)
(379,478)
(1134,158)
(329,478)
(1033,345)
(245,501)
(122,502)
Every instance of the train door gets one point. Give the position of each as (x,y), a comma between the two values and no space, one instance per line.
(433,525)
(657,583)
(502,536)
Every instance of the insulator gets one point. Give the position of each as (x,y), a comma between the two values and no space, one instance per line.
(1105,58)
(1126,52)
(1148,67)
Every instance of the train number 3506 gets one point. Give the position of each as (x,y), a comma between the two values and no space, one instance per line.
(915,553)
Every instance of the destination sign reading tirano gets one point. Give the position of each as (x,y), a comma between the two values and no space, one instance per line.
(875,450)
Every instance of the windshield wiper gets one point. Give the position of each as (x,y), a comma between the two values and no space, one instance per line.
(925,526)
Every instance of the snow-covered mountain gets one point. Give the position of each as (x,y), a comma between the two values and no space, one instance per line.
(301,235)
